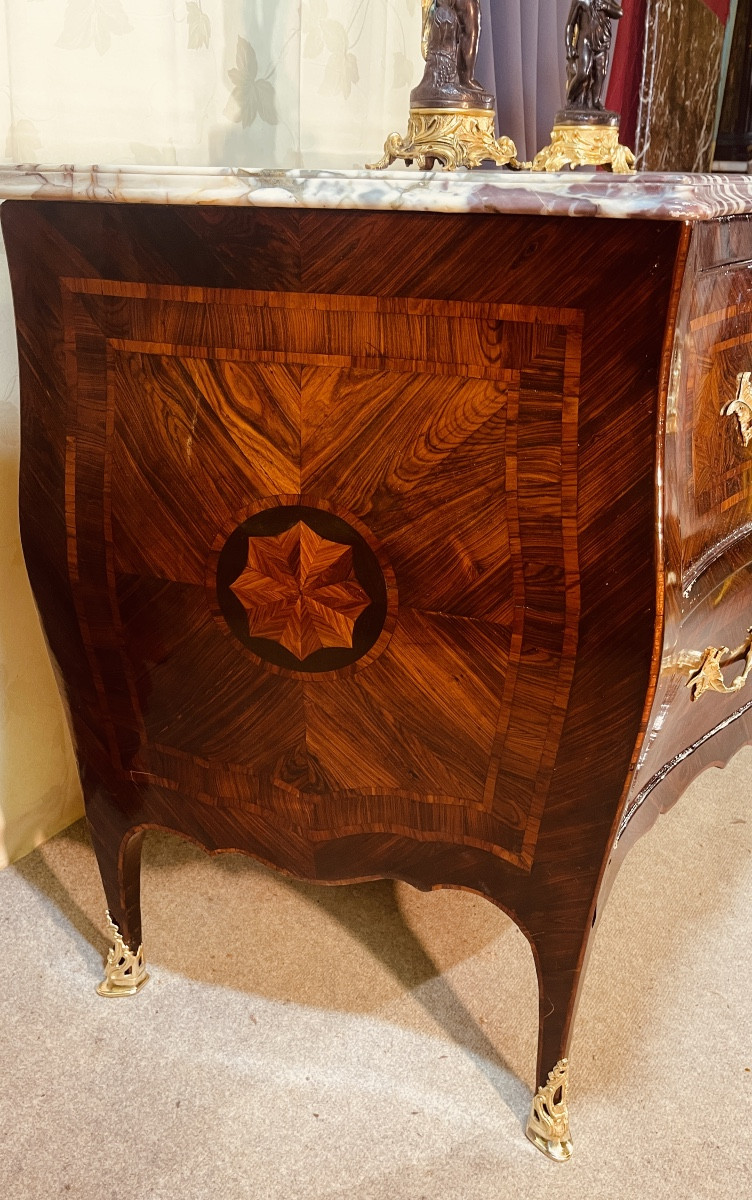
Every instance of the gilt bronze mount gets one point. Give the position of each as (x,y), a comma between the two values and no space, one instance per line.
(548,1124)
(585,134)
(451,137)
(709,675)
(125,970)
(577,143)
(452,115)
(741,407)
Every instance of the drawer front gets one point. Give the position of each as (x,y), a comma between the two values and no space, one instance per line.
(715,420)
(706,675)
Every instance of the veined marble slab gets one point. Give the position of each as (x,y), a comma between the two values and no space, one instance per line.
(674,197)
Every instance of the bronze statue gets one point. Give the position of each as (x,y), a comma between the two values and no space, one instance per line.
(452,116)
(588,42)
(585,134)
(451,32)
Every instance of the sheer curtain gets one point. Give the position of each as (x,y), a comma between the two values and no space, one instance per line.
(240,82)
(314,83)
(522,55)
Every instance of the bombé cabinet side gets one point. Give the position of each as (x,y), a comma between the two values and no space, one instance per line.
(345,530)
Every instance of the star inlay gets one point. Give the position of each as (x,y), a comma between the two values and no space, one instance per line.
(300,590)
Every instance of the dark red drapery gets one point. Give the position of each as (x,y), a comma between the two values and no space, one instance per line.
(720,8)
(626,71)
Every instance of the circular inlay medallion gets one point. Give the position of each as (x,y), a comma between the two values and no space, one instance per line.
(302,589)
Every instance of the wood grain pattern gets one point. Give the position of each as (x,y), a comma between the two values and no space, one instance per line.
(478,405)
(718,466)
(299,591)
(426,468)
(707,530)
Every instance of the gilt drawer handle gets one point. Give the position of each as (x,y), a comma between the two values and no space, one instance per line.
(741,406)
(709,675)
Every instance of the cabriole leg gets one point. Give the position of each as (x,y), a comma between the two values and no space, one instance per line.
(560,955)
(118,852)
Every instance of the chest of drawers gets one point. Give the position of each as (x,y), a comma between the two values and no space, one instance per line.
(409,544)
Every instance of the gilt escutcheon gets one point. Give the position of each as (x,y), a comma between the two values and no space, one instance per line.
(741,406)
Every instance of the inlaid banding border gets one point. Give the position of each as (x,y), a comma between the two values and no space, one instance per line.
(542,324)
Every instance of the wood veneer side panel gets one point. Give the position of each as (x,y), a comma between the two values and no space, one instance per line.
(46,247)
(617,511)
(600,267)
(519,259)
(624,328)
(613,279)
(618,466)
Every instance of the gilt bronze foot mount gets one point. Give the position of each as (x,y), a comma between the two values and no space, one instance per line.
(125,970)
(548,1124)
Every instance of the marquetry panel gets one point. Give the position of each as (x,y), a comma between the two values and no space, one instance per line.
(336,540)
(298,589)
(717,464)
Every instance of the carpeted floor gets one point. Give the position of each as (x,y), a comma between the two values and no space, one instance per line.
(373,1042)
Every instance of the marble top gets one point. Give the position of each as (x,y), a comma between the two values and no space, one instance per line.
(675,197)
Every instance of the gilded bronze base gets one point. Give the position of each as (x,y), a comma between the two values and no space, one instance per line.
(125,970)
(580,145)
(453,137)
(548,1124)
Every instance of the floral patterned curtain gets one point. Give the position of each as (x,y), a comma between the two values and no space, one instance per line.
(280,83)
(249,82)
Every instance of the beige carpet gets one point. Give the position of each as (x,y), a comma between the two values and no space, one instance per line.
(375,1042)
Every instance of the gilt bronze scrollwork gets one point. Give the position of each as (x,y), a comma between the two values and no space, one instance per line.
(548,1124)
(741,407)
(125,970)
(709,675)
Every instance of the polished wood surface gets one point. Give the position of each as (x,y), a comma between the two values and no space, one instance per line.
(706,577)
(350,537)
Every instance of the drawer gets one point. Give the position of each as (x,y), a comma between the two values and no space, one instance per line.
(715,420)
(706,675)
